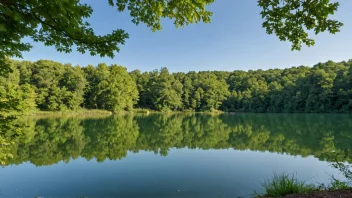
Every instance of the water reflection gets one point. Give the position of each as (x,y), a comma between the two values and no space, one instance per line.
(9,131)
(47,141)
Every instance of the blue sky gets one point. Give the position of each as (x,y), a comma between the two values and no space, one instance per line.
(235,40)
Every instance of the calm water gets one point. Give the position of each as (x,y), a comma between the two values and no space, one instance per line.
(176,155)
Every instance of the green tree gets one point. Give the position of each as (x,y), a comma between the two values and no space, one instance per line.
(142,81)
(15,97)
(210,91)
(59,87)
(166,91)
(110,88)
(74,81)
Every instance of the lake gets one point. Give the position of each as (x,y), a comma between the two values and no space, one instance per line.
(176,155)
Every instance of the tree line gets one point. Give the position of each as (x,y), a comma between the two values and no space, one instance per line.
(52,86)
(51,140)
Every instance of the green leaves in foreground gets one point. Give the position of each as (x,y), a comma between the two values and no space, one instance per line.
(63,23)
(59,23)
(291,20)
(151,12)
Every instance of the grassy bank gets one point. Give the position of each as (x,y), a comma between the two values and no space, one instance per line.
(98,112)
(148,111)
(81,112)
(284,184)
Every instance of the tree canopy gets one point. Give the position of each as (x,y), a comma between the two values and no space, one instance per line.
(52,86)
(292,20)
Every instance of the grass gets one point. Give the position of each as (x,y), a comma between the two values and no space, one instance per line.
(94,112)
(83,112)
(62,112)
(168,111)
(338,185)
(145,110)
(285,184)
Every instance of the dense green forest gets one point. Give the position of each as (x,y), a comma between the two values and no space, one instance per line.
(51,86)
(51,140)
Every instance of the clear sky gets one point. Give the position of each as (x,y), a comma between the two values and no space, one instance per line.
(235,40)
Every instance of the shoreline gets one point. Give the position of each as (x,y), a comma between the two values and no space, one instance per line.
(99,112)
(93,112)
(67,113)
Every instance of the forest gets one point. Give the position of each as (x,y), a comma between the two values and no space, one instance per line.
(51,86)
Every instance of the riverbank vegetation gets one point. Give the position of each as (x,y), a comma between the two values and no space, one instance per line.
(284,184)
(281,185)
(51,86)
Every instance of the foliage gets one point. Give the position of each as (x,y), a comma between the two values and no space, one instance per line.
(326,87)
(43,21)
(13,96)
(52,86)
(339,185)
(201,91)
(163,89)
(110,88)
(285,184)
(292,20)
(346,171)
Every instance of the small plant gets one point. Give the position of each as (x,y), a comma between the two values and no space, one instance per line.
(345,170)
(338,185)
(334,185)
(285,184)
